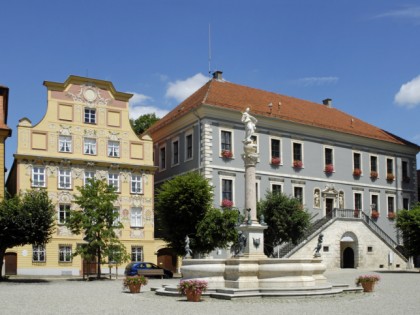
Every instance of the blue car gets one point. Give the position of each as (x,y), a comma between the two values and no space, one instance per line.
(133,268)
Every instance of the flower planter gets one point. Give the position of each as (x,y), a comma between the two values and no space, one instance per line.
(374,214)
(193,296)
(134,288)
(275,161)
(329,168)
(357,172)
(368,286)
(226,154)
(373,175)
(297,164)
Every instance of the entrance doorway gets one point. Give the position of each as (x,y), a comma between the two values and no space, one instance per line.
(167,259)
(329,205)
(348,258)
(10,260)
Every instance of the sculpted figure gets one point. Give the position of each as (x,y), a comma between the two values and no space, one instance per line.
(250,124)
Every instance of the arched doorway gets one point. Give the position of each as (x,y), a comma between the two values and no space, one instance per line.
(348,258)
(10,267)
(167,259)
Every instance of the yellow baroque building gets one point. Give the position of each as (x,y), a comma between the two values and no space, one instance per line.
(85,133)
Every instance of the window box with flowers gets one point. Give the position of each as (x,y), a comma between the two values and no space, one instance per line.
(390,177)
(374,175)
(391,215)
(227,154)
(297,164)
(374,214)
(226,203)
(357,172)
(329,168)
(275,161)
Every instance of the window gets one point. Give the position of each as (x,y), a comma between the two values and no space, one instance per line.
(88,175)
(406,203)
(90,115)
(175,152)
(189,147)
(374,202)
(136,253)
(389,166)
(276,188)
(114,181)
(63,213)
(357,164)
(162,158)
(370,249)
(64,143)
(38,253)
(136,217)
(226,140)
(405,176)
(297,151)
(90,146)
(298,193)
(113,148)
(117,219)
(358,201)
(275,148)
(391,204)
(64,253)
(64,179)
(227,189)
(38,176)
(374,163)
(136,184)
(328,155)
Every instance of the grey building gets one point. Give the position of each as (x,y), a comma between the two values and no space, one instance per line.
(341,167)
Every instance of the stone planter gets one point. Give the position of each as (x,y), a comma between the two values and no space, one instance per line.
(193,296)
(368,286)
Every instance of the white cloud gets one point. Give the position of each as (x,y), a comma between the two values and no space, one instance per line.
(409,94)
(180,90)
(405,13)
(316,81)
(139,105)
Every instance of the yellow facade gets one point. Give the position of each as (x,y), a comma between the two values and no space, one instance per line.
(85,132)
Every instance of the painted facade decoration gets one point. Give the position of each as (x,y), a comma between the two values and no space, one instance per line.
(328,159)
(85,133)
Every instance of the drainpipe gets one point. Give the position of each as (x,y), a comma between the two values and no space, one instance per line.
(199,139)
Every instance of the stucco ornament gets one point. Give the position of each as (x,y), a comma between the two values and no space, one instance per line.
(250,125)
(65,130)
(89,95)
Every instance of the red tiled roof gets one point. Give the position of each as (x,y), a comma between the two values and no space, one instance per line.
(238,97)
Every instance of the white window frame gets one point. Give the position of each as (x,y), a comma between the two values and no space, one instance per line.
(302,151)
(377,163)
(65,144)
(39,252)
(162,167)
(276,184)
(113,148)
(89,111)
(136,217)
(66,212)
(232,137)
(361,161)
(361,200)
(137,251)
(173,163)
(66,251)
(393,165)
(189,133)
(64,178)
(37,172)
(303,192)
(89,146)
(114,180)
(221,178)
(87,175)
(378,206)
(136,183)
(394,203)
(332,156)
(271,149)
(117,220)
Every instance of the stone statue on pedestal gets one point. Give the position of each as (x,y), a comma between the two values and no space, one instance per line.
(319,246)
(250,125)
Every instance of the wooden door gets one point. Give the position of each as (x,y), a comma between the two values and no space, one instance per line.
(329,205)
(10,263)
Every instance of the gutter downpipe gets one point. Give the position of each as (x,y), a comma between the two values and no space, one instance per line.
(199,140)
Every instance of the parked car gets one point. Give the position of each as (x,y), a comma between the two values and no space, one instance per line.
(132,269)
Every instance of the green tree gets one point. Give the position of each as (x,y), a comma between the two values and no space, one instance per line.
(181,203)
(408,221)
(143,123)
(98,220)
(286,220)
(25,219)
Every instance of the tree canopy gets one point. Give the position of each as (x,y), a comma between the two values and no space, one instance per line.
(25,219)
(98,221)
(143,122)
(286,220)
(183,207)
(408,221)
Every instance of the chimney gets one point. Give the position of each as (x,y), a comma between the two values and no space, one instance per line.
(217,75)
(327,102)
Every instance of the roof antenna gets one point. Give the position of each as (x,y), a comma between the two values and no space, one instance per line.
(209,52)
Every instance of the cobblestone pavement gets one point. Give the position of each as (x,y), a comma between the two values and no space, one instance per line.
(396,293)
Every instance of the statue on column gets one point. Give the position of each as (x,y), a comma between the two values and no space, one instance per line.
(250,125)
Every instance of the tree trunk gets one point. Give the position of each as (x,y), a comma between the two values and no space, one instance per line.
(2,252)
(99,264)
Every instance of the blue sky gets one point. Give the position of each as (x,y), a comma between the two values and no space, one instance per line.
(365,55)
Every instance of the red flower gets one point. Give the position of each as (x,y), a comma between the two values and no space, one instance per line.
(329,168)
(297,164)
(275,160)
(357,172)
(374,174)
(227,154)
(374,214)
(226,203)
